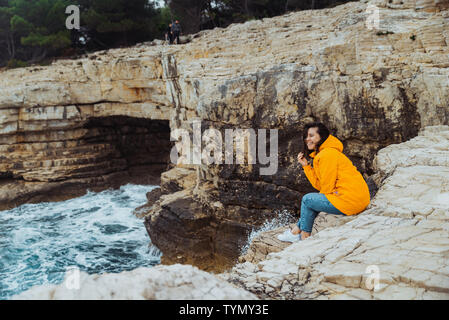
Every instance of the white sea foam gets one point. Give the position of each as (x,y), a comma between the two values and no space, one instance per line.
(96,233)
(282,218)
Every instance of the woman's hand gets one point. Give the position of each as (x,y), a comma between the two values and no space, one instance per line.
(302,160)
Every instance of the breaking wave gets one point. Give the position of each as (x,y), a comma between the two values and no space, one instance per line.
(96,233)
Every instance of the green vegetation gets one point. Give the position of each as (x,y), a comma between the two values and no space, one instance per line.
(112,23)
(203,14)
(34,31)
(30,30)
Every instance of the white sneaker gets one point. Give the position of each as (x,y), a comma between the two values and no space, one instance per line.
(287,236)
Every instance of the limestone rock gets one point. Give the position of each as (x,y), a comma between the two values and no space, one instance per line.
(417,173)
(152,197)
(267,242)
(111,112)
(176,282)
(177,179)
(396,249)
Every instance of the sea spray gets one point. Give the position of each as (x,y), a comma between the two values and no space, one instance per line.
(282,218)
(96,233)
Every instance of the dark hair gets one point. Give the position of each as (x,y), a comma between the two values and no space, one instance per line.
(323,131)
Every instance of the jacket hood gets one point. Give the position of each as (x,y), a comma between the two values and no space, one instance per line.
(330,142)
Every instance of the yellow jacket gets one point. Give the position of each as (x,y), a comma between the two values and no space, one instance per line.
(334,175)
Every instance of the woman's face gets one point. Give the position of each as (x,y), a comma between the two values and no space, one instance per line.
(312,138)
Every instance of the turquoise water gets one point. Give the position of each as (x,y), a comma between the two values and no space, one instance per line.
(96,233)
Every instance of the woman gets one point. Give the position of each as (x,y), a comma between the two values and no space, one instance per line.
(342,189)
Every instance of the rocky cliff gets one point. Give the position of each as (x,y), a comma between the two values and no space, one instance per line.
(371,87)
(396,249)
(78,124)
(105,119)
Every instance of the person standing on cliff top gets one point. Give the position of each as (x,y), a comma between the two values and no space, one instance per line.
(176,29)
(169,34)
(342,189)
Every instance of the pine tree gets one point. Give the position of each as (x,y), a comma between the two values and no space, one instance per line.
(112,23)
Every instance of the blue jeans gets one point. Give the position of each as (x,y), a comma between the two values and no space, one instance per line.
(311,205)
